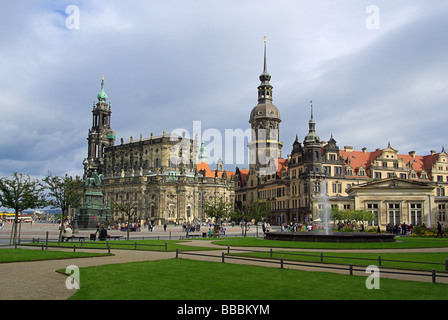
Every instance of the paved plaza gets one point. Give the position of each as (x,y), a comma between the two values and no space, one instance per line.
(38,230)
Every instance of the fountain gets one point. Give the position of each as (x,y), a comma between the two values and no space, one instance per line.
(324,203)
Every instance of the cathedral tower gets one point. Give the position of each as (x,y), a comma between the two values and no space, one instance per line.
(265,147)
(100,135)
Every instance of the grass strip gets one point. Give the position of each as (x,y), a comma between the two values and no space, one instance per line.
(20,255)
(182,279)
(146,245)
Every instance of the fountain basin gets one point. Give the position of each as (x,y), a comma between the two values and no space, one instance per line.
(333,237)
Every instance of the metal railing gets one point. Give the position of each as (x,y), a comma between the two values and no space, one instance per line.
(349,268)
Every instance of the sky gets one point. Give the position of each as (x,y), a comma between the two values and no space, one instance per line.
(375,71)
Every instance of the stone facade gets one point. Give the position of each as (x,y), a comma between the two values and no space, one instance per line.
(160,176)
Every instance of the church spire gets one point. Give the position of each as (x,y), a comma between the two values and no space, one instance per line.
(311,137)
(265,88)
(202,153)
(102,96)
(265,76)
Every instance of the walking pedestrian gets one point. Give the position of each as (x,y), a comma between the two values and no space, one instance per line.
(439,230)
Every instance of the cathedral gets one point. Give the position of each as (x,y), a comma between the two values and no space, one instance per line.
(165,177)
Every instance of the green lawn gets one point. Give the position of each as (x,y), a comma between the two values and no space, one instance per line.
(16,255)
(181,279)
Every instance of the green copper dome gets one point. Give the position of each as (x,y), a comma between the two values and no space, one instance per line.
(102,96)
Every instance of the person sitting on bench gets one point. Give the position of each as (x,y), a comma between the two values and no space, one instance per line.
(103,233)
(68,233)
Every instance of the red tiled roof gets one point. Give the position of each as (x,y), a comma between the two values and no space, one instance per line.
(282,163)
(243,175)
(360,159)
(209,173)
(363,159)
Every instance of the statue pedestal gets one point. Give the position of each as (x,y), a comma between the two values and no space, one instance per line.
(93,211)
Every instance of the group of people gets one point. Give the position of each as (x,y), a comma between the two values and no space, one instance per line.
(266,227)
(348,224)
(296,227)
(125,225)
(213,232)
(191,227)
(399,229)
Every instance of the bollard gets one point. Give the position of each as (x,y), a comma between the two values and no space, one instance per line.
(271,252)
(135,245)
(108,248)
(177,253)
(446,264)
(351,269)
(42,246)
(281,263)
(322,257)
(74,248)
(433,275)
(222,257)
(166,247)
(46,240)
(379,261)
(228,249)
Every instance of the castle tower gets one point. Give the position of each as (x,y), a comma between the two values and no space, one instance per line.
(312,148)
(100,135)
(265,147)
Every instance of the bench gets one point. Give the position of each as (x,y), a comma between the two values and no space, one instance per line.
(73,237)
(114,237)
(193,235)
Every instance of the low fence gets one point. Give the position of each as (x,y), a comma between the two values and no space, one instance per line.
(349,268)
(106,245)
(321,256)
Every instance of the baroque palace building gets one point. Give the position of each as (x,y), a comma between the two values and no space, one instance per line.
(166,177)
(397,188)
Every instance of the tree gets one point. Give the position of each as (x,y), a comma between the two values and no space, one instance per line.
(256,210)
(129,207)
(65,192)
(19,192)
(218,209)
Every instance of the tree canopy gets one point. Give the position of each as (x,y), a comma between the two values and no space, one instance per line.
(19,192)
(257,210)
(352,215)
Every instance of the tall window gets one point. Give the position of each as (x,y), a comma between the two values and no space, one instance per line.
(416,213)
(394,213)
(373,207)
(317,186)
(442,212)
